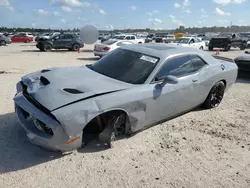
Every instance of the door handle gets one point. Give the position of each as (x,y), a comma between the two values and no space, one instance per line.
(195,80)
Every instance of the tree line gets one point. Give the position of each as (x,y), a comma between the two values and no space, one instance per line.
(180,29)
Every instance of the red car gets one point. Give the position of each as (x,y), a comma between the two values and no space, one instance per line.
(22,37)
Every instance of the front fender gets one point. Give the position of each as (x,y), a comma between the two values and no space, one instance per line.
(76,116)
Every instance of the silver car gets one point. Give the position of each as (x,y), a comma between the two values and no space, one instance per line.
(130,89)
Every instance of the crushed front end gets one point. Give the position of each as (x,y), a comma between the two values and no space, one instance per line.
(42,128)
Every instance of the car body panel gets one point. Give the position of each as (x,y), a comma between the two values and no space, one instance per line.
(144,104)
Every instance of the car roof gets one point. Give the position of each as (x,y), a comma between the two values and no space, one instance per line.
(163,51)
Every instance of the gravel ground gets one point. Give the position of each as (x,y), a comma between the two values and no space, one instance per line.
(203,148)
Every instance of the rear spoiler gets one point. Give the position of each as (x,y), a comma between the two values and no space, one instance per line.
(223,58)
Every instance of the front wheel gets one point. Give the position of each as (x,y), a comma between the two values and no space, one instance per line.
(47,47)
(115,127)
(210,48)
(2,43)
(215,96)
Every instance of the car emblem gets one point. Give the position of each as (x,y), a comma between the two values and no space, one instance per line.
(222,66)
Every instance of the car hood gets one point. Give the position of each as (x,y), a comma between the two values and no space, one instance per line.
(57,87)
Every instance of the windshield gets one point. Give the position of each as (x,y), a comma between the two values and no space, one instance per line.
(225,35)
(119,37)
(127,66)
(182,40)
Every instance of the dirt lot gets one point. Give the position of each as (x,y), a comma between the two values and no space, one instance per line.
(204,148)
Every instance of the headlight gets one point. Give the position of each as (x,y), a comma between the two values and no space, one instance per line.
(19,87)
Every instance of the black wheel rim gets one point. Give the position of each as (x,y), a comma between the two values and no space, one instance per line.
(217,95)
(118,128)
(47,48)
(76,47)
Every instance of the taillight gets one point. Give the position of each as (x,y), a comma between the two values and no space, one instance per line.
(106,48)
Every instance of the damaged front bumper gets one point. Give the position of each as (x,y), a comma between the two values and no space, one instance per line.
(42,129)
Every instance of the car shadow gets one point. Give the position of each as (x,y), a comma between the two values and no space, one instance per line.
(55,51)
(85,50)
(88,58)
(17,152)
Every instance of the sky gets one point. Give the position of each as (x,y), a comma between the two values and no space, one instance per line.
(121,14)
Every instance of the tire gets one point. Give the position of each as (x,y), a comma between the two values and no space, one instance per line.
(115,127)
(47,47)
(242,47)
(210,48)
(215,96)
(2,43)
(75,47)
(140,43)
(201,48)
(227,48)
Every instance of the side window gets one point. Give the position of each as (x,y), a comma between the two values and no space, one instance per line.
(197,62)
(127,38)
(132,37)
(196,40)
(67,37)
(177,66)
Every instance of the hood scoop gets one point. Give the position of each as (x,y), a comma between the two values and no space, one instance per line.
(45,70)
(72,91)
(44,80)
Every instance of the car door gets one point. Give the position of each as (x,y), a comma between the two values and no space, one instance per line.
(173,99)
(67,41)
(57,41)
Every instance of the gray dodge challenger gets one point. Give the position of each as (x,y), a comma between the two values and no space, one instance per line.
(132,88)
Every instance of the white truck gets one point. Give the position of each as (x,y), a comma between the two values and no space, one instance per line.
(133,38)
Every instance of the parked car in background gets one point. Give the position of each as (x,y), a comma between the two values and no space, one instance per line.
(22,37)
(169,38)
(190,42)
(130,89)
(226,41)
(132,38)
(160,37)
(150,37)
(4,40)
(106,47)
(63,41)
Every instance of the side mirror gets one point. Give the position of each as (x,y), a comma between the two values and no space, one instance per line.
(168,79)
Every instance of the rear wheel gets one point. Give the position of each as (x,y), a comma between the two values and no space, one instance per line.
(2,43)
(215,96)
(76,47)
(242,47)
